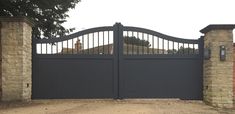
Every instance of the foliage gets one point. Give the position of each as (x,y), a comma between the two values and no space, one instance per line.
(47,15)
(183,50)
(136,41)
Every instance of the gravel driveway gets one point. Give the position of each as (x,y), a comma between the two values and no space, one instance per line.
(130,106)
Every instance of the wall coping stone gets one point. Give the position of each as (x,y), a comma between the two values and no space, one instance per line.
(17,19)
(217,27)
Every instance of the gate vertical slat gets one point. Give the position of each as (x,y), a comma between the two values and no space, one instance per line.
(188,49)
(163,46)
(62,51)
(88,47)
(108,44)
(103,42)
(67,46)
(153,44)
(83,50)
(193,49)
(56,47)
(51,48)
(183,49)
(142,43)
(132,46)
(93,43)
(168,46)
(137,46)
(40,47)
(46,48)
(72,47)
(158,47)
(127,47)
(148,46)
(77,45)
(98,42)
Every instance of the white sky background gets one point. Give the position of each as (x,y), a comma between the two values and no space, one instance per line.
(179,18)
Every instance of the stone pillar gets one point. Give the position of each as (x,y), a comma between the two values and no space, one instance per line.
(16,58)
(217,74)
(234,74)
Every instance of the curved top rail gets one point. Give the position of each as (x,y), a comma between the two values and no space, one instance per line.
(171,38)
(74,35)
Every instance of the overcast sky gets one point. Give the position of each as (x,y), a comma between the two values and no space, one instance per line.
(179,18)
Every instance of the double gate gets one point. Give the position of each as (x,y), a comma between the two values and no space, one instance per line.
(117,62)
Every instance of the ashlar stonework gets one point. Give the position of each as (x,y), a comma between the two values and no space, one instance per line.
(16,59)
(217,74)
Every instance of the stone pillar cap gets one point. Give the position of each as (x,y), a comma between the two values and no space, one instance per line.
(16,19)
(217,27)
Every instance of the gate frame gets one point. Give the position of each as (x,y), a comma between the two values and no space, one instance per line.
(118,56)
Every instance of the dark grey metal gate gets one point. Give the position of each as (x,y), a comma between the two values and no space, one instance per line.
(117,62)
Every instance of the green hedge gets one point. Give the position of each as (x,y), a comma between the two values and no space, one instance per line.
(136,41)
